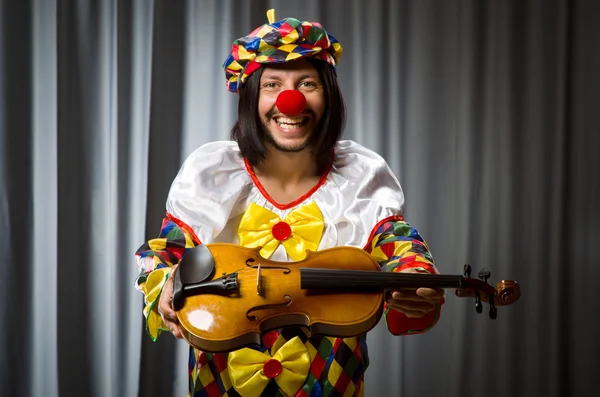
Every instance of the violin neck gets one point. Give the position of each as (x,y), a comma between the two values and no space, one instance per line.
(364,280)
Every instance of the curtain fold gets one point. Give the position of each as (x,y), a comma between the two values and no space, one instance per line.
(104,59)
(16,203)
(43,268)
(485,110)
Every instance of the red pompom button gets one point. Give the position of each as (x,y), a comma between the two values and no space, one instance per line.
(281,231)
(272,368)
(291,102)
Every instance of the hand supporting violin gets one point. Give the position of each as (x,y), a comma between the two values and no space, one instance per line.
(165,307)
(415,303)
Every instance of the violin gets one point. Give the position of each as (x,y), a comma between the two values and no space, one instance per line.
(227,296)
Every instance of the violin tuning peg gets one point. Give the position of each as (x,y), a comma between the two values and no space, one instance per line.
(467,270)
(478,307)
(484,274)
(478,304)
(493,311)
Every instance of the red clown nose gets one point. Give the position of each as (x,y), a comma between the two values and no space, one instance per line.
(291,102)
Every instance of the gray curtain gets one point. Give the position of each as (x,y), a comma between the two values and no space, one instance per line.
(487,111)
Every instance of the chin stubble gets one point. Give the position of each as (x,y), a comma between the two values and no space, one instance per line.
(271,141)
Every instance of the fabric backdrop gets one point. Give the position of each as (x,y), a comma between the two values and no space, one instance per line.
(486,110)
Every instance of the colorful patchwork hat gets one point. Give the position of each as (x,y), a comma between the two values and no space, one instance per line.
(278,42)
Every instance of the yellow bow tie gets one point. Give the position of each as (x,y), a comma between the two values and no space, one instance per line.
(301,230)
(250,370)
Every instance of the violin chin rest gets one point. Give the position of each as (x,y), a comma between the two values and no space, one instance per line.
(196,266)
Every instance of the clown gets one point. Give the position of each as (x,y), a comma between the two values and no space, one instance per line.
(287,183)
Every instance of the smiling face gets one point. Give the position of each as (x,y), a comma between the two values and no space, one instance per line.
(290,133)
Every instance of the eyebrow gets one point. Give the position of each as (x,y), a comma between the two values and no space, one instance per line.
(273,75)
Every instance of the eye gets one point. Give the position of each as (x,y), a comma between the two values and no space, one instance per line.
(308,85)
(269,85)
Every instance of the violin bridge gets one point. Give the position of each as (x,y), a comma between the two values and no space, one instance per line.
(258,281)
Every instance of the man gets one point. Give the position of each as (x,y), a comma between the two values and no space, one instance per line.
(287,183)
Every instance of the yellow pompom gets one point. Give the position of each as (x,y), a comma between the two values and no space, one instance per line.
(271,15)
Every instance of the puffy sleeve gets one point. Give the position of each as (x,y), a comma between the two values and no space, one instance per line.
(396,245)
(198,207)
(207,187)
(154,259)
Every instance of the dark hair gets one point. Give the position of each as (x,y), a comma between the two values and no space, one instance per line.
(249,133)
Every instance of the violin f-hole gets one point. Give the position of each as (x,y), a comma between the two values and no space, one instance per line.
(286,270)
(288,301)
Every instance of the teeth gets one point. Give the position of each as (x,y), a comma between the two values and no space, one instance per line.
(286,120)
(289,123)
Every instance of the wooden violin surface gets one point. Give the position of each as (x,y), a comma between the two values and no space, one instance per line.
(227,296)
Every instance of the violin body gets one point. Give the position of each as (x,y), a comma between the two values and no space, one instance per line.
(216,322)
(227,296)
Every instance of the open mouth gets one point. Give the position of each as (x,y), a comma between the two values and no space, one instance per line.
(292,123)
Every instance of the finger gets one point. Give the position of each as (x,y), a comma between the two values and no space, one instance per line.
(176,331)
(416,306)
(165,303)
(413,296)
(165,308)
(406,295)
(170,316)
(174,328)
(172,323)
(430,293)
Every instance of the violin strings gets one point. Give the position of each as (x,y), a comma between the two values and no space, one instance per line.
(308,274)
(323,278)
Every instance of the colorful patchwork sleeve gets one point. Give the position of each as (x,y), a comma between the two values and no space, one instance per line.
(154,261)
(398,246)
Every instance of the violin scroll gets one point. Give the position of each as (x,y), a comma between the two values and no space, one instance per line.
(506,292)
